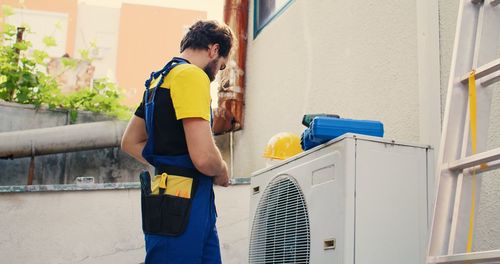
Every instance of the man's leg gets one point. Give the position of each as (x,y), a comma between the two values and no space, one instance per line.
(187,248)
(169,250)
(211,251)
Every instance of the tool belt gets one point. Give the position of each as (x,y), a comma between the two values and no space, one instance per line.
(166,200)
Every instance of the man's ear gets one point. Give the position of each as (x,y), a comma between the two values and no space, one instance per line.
(214,50)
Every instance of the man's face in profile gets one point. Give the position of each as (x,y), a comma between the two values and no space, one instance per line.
(214,66)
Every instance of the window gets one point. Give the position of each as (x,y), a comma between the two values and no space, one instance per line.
(265,11)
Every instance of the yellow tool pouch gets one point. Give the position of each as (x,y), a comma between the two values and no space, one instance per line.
(165,211)
(174,185)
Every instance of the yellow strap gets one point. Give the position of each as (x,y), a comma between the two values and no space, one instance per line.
(163,181)
(473,110)
(473,129)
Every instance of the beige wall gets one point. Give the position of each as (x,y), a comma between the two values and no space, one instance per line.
(359,60)
(100,227)
(61,6)
(100,25)
(148,37)
(356,59)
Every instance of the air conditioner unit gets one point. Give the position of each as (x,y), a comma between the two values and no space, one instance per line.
(356,199)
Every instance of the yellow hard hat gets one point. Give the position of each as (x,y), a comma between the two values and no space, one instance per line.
(282,146)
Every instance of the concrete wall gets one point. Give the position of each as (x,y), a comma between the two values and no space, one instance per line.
(102,226)
(105,165)
(359,60)
(356,59)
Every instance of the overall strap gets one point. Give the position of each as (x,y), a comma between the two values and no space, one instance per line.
(149,106)
(149,95)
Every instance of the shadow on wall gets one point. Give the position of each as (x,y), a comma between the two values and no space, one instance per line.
(109,165)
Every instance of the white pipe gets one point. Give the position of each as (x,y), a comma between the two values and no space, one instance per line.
(43,141)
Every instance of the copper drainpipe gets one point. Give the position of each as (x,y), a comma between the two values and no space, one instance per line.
(228,116)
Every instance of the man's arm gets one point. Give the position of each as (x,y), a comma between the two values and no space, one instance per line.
(203,151)
(134,139)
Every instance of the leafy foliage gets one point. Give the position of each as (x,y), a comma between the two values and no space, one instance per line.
(104,97)
(23,81)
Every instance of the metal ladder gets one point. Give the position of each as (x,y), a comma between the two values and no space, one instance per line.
(463,151)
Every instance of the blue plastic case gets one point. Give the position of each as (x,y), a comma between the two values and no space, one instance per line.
(323,129)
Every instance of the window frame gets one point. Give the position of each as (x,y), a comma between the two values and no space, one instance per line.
(277,12)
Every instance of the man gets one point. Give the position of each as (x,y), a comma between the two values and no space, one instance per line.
(171,130)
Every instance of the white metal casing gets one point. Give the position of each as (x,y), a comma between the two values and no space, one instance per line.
(372,196)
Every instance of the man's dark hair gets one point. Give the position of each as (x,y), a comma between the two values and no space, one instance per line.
(207,32)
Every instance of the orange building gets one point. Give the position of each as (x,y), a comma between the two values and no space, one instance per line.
(148,37)
(143,41)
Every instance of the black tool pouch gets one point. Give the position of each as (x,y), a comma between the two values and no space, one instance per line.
(164,214)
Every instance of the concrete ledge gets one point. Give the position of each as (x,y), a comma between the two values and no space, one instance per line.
(69,187)
(89,187)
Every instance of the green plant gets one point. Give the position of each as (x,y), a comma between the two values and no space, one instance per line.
(103,97)
(22,79)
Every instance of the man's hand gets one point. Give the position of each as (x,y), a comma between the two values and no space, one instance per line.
(222,179)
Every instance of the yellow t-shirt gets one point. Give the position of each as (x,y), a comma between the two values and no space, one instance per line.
(190,91)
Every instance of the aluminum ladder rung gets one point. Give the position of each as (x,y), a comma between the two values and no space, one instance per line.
(487,81)
(495,2)
(484,70)
(474,257)
(474,160)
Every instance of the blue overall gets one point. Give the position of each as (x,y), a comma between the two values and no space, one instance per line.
(199,243)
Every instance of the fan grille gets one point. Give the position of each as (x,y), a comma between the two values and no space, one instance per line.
(280,230)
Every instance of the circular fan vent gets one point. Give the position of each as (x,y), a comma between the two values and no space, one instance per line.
(280,230)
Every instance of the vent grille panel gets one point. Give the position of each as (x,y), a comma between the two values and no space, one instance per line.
(280,230)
